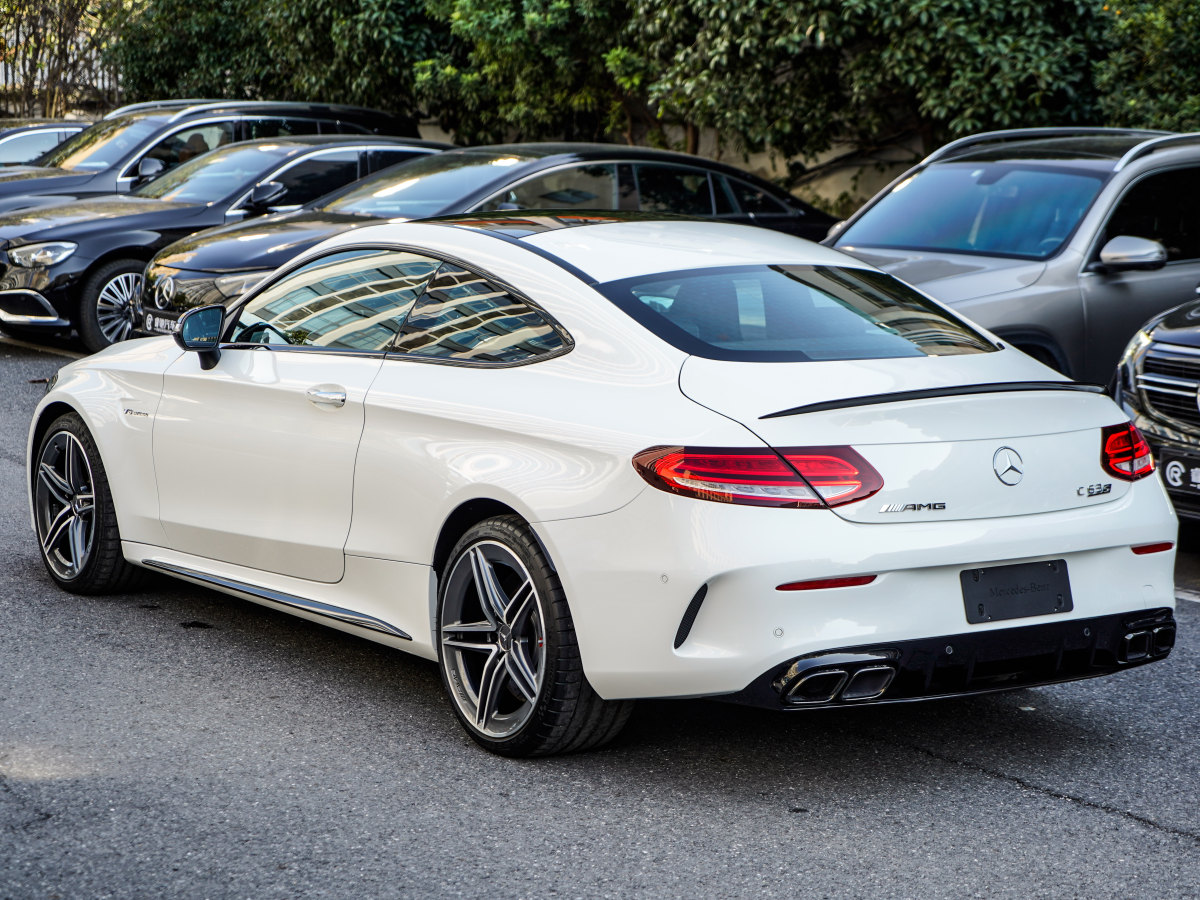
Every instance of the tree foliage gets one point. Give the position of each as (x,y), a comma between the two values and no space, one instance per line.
(1151,79)
(523,69)
(801,74)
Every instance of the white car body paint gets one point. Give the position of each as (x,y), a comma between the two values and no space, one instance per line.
(260,486)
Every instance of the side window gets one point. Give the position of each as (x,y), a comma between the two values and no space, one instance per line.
(672,189)
(312,178)
(1162,208)
(381,159)
(353,300)
(463,316)
(756,201)
(577,187)
(191,142)
(278,127)
(23,147)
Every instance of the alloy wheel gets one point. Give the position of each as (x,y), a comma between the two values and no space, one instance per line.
(65,505)
(115,305)
(493,639)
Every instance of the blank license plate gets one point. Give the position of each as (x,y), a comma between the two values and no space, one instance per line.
(1016,592)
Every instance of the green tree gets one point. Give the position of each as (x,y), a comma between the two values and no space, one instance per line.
(524,69)
(802,74)
(1151,79)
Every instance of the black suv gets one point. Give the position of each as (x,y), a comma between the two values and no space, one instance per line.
(134,143)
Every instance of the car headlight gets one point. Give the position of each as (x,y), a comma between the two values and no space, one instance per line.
(33,256)
(237,284)
(1134,348)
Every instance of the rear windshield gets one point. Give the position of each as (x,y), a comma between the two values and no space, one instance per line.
(999,209)
(792,314)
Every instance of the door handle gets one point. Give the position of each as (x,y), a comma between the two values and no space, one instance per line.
(322,397)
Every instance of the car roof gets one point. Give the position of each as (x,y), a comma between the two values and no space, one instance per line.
(178,110)
(35,124)
(608,246)
(1103,149)
(564,151)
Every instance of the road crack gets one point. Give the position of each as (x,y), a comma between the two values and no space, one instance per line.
(1059,795)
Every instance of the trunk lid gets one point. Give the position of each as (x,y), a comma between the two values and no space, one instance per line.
(940,457)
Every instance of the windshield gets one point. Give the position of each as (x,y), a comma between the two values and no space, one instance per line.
(424,187)
(792,314)
(1000,209)
(213,176)
(102,145)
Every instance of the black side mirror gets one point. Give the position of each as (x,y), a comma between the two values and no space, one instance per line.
(262,195)
(149,167)
(199,331)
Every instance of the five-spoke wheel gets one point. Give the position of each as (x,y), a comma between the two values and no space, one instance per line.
(73,511)
(507,648)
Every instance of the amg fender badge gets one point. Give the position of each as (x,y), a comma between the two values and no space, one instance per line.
(910,507)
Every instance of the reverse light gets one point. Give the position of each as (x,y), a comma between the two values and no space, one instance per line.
(1124,453)
(34,256)
(820,584)
(795,478)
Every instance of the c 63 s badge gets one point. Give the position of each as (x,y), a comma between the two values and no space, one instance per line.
(1093,490)
(911,507)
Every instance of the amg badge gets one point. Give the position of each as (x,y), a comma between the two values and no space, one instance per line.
(911,507)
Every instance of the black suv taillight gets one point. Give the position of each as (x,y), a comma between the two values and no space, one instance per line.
(1124,453)
(796,477)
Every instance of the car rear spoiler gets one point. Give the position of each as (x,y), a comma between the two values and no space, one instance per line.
(959,390)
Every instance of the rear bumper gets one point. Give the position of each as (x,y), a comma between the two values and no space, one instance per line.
(964,664)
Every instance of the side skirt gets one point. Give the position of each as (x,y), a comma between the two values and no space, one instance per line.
(254,592)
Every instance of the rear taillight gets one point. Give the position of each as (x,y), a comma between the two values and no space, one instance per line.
(1124,453)
(798,477)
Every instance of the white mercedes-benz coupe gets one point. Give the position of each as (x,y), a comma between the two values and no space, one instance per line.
(579,460)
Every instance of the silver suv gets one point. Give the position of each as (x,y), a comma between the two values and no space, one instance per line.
(1062,240)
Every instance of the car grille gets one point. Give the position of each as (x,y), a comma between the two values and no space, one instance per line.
(1169,379)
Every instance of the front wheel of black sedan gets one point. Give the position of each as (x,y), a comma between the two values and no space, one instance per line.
(73,511)
(108,303)
(507,649)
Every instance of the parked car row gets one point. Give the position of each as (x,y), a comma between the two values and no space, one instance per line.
(552,416)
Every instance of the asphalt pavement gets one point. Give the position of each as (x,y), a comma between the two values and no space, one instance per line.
(178,743)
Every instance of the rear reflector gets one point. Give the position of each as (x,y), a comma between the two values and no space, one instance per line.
(1160,547)
(796,478)
(1124,453)
(818,584)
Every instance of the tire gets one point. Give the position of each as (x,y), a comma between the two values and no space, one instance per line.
(510,648)
(108,303)
(73,511)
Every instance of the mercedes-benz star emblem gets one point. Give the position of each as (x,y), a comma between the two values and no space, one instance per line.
(1008,466)
(164,292)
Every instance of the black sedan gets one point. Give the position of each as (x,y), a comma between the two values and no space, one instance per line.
(80,263)
(22,140)
(214,267)
(134,143)
(1158,385)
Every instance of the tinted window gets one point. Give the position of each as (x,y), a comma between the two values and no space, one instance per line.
(792,313)
(381,159)
(311,178)
(1001,209)
(354,300)
(104,144)
(755,201)
(577,187)
(463,316)
(1161,208)
(674,190)
(24,147)
(279,127)
(213,177)
(425,186)
(189,143)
